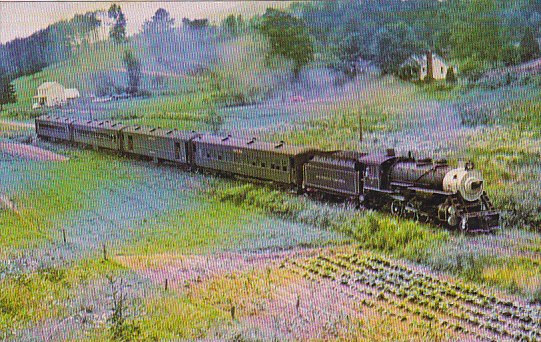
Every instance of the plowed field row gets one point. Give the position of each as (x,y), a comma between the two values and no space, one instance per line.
(402,291)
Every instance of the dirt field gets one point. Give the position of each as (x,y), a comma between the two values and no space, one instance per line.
(29,152)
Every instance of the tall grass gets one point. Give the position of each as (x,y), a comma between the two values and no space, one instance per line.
(465,257)
(206,227)
(509,159)
(370,230)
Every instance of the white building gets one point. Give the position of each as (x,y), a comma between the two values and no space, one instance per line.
(52,94)
(417,67)
(72,94)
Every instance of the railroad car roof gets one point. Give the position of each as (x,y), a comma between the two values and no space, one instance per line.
(55,118)
(105,124)
(254,144)
(160,132)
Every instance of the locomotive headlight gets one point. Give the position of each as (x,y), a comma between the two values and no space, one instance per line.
(469,183)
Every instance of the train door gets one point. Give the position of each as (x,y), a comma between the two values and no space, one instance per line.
(177,150)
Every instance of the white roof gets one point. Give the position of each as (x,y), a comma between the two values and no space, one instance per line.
(71,93)
(48,85)
(421,59)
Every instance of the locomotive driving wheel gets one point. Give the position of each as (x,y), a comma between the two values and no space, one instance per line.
(413,211)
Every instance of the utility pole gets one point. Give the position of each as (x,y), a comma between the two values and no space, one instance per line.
(360,127)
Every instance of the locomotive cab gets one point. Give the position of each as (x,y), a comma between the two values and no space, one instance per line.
(376,175)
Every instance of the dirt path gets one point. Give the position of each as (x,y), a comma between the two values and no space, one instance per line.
(17,124)
(182,269)
(29,152)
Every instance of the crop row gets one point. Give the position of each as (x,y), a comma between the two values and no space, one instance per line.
(426,298)
(402,286)
(523,313)
(361,293)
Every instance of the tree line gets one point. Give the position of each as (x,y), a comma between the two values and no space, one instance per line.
(476,34)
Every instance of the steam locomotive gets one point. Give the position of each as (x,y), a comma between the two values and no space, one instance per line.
(424,190)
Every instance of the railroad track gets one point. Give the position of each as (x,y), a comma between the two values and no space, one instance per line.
(377,282)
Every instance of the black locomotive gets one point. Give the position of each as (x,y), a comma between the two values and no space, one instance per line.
(425,190)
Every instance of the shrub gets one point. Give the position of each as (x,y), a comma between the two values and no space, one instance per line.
(450,76)
(466,263)
(536,296)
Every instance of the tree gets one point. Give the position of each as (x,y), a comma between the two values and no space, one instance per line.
(213,120)
(160,22)
(118,30)
(288,37)
(196,24)
(450,77)
(510,55)
(233,24)
(133,65)
(7,91)
(393,45)
(529,47)
(349,50)
(477,31)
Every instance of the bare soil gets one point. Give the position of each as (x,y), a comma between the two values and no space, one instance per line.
(29,152)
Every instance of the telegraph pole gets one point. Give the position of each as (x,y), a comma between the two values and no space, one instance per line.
(360,127)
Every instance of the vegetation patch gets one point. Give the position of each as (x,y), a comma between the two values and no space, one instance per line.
(372,230)
(222,225)
(28,298)
(206,227)
(173,316)
(517,275)
(509,159)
